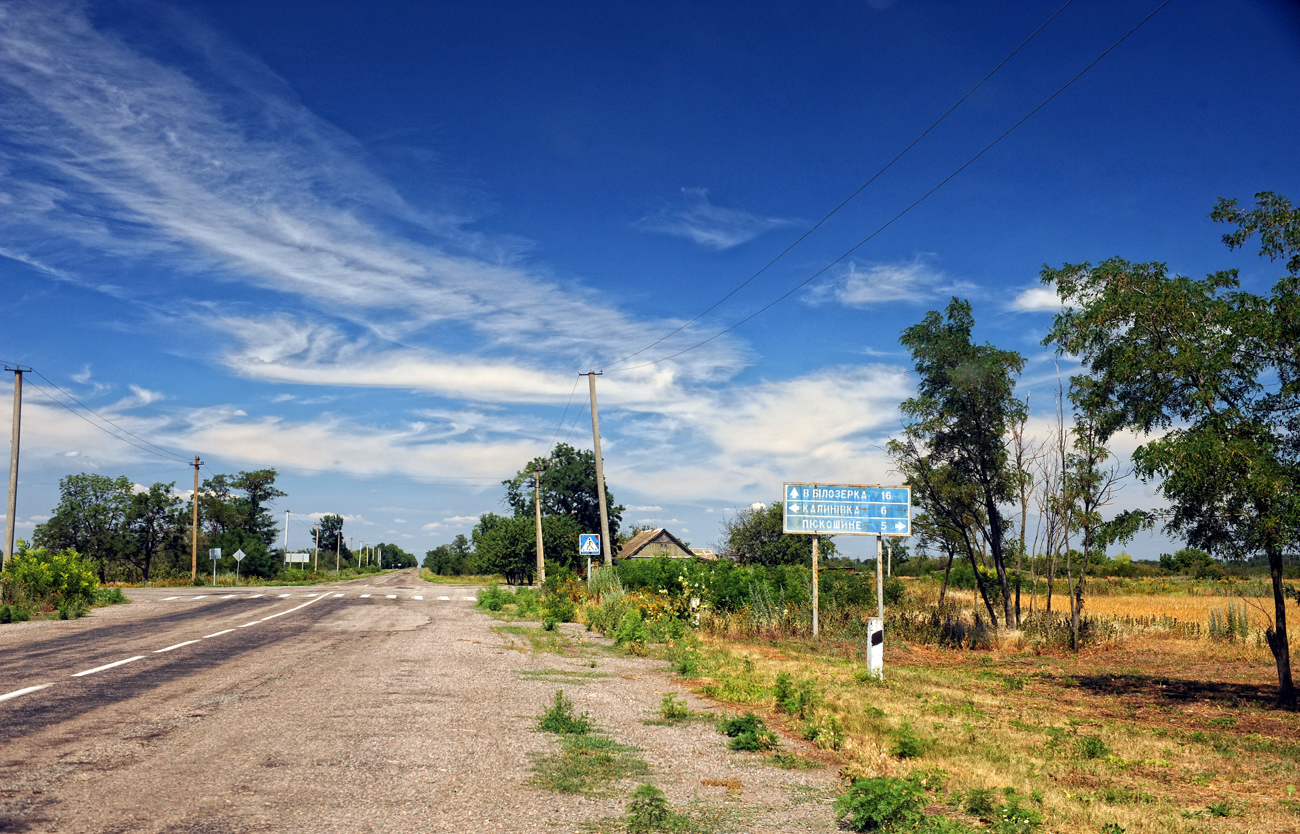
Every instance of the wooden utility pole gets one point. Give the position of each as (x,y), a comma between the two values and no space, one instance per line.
(600,471)
(13,463)
(537,503)
(194,524)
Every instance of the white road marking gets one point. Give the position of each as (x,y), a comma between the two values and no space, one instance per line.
(291,610)
(255,596)
(419,598)
(282,596)
(169,599)
(230,596)
(177,646)
(338,595)
(392,596)
(246,625)
(446,598)
(109,666)
(25,691)
(309,595)
(218,633)
(472,599)
(365,596)
(200,596)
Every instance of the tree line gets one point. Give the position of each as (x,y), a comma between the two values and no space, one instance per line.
(136,534)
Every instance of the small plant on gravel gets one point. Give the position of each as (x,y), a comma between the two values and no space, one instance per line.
(590,765)
(549,624)
(789,761)
(825,731)
(648,811)
(747,733)
(673,709)
(562,720)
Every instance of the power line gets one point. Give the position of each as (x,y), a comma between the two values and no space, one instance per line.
(913,205)
(856,192)
(105,419)
(71,410)
(565,414)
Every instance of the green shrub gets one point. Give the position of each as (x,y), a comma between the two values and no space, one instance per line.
(747,733)
(1091,747)
(826,732)
(561,719)
(41,577)
(907,744)
(110,596)
(794,700)
(648,811)
(1013,818)
(13,614)
(631,629)
(559,607)
(882,803)
(493,598)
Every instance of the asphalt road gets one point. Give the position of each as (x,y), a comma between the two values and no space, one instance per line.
(384,704)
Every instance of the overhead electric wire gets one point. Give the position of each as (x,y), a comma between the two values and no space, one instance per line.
(911,206)
(565,414)
(856,192)
(72,410)
(175,455)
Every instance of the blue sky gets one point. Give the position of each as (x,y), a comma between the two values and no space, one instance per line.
(371,245)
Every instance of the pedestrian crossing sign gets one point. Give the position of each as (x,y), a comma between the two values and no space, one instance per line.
(589,544)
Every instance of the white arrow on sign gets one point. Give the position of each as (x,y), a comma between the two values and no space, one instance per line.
(239,555)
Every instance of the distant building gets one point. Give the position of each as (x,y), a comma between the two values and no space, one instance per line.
(653,543)
(705,553)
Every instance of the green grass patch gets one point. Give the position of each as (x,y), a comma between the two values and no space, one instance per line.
(588,765)
(571,677)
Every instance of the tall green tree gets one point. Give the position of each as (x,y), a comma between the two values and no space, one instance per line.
(953,452)
(505,544)
(755,535)
(90,519)
(330,531)
(155,526)
(1210,375)
(568,488)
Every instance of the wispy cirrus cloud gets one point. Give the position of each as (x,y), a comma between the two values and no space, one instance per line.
(211,165)
(869,285)
(709,225)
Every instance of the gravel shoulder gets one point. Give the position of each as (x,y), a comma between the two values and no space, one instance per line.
(381,715)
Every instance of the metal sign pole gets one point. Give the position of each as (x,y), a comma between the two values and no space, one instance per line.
(816,540)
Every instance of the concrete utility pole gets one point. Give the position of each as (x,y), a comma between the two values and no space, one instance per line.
(286,534)
(315,564)
(537,503)
(600,470)
(880,581)
(13,462)
(816,541)
(194,524)
(338,545)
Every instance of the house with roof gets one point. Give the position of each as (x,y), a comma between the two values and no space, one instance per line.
(650,544)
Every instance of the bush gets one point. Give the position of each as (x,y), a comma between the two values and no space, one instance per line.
(562,720)
(747,733)
(631,629)
(882,803)
(50,580)
(907,744)
(794,700)
(13,614)
(493,598)
(1091,747)
(672,709)
(110,596)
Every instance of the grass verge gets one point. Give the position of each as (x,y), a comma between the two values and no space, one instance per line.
(589,762)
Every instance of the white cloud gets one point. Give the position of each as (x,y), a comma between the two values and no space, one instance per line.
(431,526)
(708,225)
(399,521)
(645,509)
(462,519)
(868,285)
(1037,300)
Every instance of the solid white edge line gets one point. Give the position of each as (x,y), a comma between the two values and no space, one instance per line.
(246,625)
(218,634)
(25,691)
(108,666)
(177,646)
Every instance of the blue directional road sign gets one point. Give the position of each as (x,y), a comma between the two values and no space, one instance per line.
(848,509)
(589,544)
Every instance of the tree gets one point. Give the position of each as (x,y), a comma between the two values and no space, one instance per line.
(330,532)
(259,491)
(155,524)
(568,488)
(450,559)
(90,519)
(755,535)
(953,453)
(1210,375)
(508,545)
(392,556)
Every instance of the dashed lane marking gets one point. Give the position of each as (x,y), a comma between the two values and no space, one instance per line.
(445,598)
(255,596)
(336,596)
(365,596)
(109,666)
(230,596)
(282,596)
(419,598)
(177,646)
(169,599)
(200,596)
(217,633)
(392,596)
(472,599)
(17,693)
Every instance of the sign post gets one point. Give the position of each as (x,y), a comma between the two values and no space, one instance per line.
(239,557)
(814,509)
(214,553)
